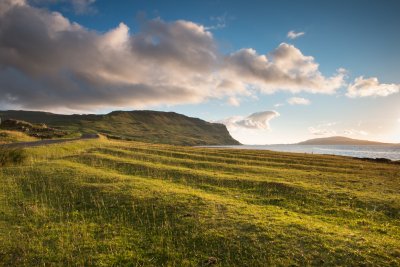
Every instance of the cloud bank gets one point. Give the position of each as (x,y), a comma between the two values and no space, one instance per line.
(255,121)
(371,87)
(48,62)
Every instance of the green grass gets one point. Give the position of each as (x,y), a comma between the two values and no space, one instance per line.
(11,156)
(113,203)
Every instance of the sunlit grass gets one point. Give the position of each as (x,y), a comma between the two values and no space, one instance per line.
(14,136)
(106,203)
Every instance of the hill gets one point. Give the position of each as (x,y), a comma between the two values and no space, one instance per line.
(148,126)
(119,203)
(339,140)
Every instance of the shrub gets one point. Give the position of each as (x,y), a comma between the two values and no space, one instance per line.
(11,156)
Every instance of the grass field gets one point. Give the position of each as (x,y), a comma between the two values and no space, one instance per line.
(7,137)
(104,203)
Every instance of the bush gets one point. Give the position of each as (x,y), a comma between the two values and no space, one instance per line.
(11,156)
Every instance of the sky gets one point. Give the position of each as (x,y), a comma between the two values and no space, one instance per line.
(271,71)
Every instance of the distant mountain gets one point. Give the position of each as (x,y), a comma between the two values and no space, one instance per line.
(145,125)
(339,140)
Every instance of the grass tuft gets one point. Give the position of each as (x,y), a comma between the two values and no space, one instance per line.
(11,156)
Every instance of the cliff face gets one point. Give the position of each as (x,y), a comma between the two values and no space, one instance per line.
(147,126)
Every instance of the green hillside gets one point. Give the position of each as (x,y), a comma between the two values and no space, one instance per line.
(147,126)
(118,203)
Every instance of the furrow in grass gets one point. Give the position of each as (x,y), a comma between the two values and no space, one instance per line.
(204,164)
(388,180)
(241,207)
(250,162)
(270,191)
(261,155)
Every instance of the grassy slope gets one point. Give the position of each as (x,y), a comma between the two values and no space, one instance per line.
(14,136)
(147,126)
(124,203)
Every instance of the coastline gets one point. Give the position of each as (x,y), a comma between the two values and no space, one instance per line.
(348,152)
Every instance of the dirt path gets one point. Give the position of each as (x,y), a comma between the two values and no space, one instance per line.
(50,142)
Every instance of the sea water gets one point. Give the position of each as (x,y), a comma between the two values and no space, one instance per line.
(366,151)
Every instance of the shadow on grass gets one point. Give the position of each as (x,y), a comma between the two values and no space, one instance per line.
(11,156)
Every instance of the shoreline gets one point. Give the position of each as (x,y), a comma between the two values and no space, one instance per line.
(377,159)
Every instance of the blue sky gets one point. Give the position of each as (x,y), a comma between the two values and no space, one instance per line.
(354,34)
(361,37)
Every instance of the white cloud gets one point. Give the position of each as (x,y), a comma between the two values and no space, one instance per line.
(298,101)
(255,121)
(371,87)
(324,128)
(233,101)
(321,131)
(220,22)
(293,35)
(48,62)
(6,5)
(279,105)
(80,7)
(331,129)
(284,69)
(328,124)
(83,6)
(354,132)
